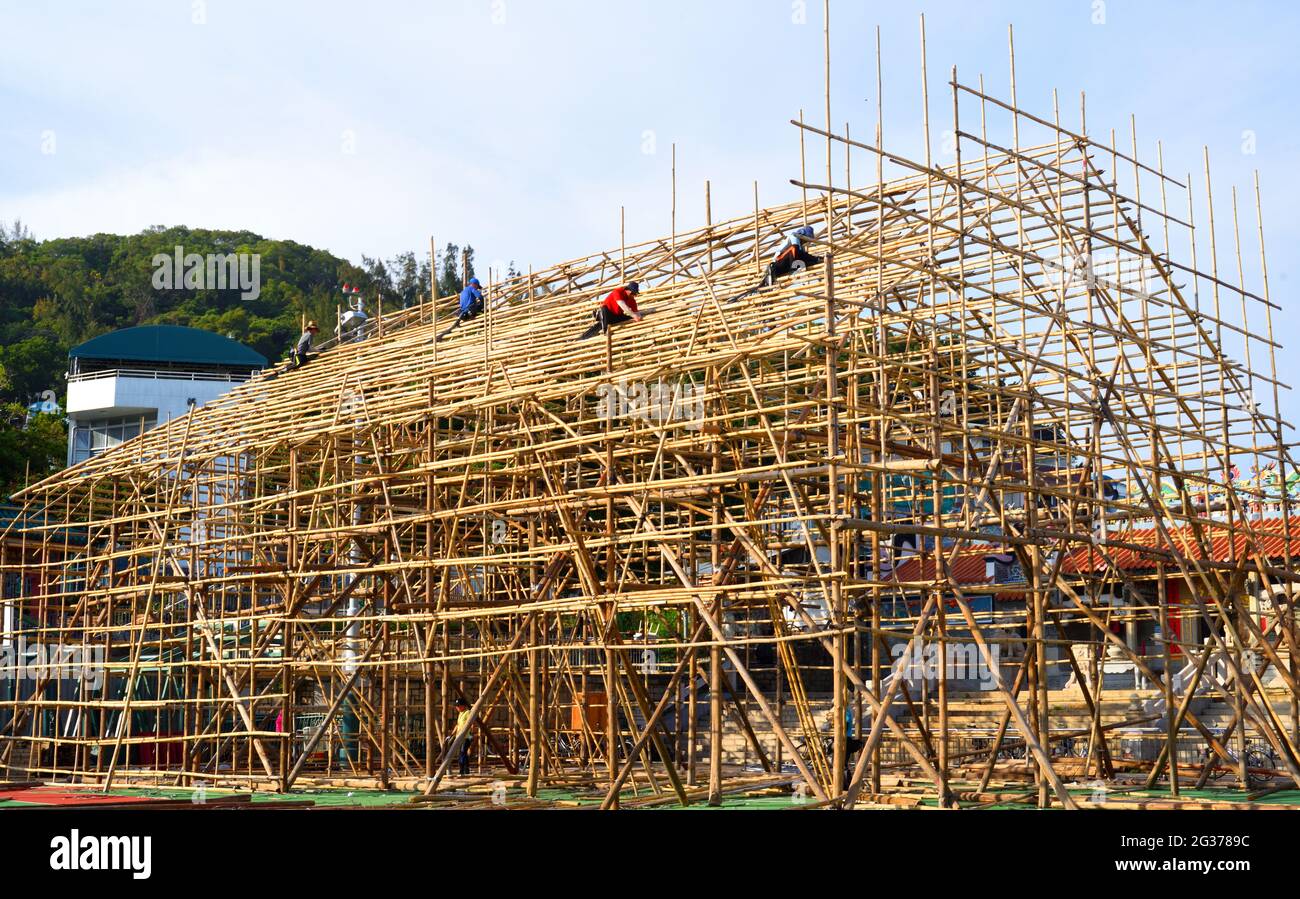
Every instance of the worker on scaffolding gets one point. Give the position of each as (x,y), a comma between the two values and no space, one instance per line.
(471,301)
(301,354)
(471,305)
(791,258)
(618,307)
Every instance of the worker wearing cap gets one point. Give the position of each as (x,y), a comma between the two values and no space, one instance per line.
(619,306)
(792,256)
(471,300)
(300,354)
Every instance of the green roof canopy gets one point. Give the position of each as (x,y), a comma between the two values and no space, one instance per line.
(169,343)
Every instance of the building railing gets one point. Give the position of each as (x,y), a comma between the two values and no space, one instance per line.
(160,375)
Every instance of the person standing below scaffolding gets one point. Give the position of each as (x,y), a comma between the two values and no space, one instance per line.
(300,353)
(618,307)
(463,722)
(853,742)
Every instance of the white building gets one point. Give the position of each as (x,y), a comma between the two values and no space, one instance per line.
(131,380)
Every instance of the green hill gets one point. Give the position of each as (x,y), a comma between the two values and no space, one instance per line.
(56,293)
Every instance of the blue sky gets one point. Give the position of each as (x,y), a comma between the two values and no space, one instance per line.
(521,126)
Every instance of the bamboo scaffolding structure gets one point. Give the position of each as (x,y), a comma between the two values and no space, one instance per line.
(996,425)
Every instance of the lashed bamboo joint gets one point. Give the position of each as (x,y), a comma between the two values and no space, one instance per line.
(953,507)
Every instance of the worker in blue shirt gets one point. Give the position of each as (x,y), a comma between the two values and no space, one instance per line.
(471,300)
(471,306)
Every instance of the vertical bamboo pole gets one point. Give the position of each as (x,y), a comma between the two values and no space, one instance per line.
(433,293)
(839,732)
(1289,618)
(879,646)
(715,560)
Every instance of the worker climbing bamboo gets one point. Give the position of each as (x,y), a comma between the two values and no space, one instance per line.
(301,354)
(619,306)
(791,258)
(471,305)
(463,721)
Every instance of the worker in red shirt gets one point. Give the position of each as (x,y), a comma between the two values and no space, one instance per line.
(619,306)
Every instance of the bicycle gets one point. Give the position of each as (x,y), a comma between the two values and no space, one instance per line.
(1071,748)
(1260,756)
(1005,752)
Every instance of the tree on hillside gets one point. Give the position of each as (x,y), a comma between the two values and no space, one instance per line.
(409,282)
(57,293)
(31,447)
(15,233)
(450,282)
(31,366)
